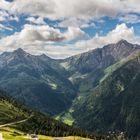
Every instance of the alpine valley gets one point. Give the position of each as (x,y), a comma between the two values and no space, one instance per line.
(98,91)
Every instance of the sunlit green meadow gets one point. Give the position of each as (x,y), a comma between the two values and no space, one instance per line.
(12,134)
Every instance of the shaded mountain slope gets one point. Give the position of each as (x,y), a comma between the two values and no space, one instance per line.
(37,81)
(114,105)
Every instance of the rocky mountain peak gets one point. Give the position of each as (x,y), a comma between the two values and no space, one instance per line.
(20,51)
(124,44)
(122,41)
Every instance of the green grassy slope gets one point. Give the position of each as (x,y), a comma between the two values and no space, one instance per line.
(27,121)
(10,111)
(13,134)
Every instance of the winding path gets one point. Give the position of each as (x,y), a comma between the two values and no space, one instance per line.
(17,122)
(59,139)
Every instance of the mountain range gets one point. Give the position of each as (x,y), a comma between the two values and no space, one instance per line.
(97,90)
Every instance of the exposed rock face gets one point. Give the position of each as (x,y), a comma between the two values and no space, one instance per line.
(101,58)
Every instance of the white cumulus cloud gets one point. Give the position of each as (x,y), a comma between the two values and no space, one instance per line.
(120,32)
(38,35)
(57,9)
(39,20)
(38,39)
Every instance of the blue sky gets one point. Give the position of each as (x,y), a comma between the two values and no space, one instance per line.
(61,28)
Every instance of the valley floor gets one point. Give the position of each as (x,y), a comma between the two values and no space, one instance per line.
(12,134)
